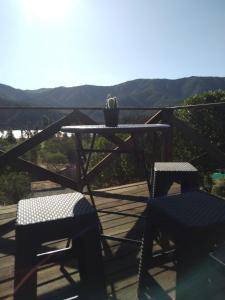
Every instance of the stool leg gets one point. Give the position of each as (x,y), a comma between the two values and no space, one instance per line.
(161,184)
(189,182)
(25,283)
(91,264)
(146,257)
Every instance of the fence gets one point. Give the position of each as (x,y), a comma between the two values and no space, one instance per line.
(77,115)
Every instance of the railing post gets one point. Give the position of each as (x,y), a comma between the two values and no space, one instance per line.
(167,118)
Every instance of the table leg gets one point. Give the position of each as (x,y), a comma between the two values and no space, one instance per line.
(140,154)
(84,170)
(167,137)
(78,164)
(89,154)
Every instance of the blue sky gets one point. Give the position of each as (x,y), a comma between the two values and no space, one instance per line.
(49,43)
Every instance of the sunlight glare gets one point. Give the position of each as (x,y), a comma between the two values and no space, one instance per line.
(47,10)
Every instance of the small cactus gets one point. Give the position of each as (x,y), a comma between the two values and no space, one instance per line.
(111,102)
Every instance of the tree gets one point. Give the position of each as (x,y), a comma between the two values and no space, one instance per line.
(209,122)
(55,161)
(10,137)
(57,151)
(13,186)
(123,169)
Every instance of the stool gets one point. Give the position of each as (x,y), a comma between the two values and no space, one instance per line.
(195,221)
(51,218)
(165,173)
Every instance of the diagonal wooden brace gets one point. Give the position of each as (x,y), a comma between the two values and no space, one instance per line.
(42,173)
(22,148)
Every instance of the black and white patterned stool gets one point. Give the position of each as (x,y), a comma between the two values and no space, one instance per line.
(51,218)
(165,173)
(195,222)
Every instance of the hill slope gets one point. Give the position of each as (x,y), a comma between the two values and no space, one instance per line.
(136,93)
(139,92)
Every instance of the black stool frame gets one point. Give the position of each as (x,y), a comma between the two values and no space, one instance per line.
(195,222)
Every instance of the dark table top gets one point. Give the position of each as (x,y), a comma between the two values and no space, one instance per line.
(123,128)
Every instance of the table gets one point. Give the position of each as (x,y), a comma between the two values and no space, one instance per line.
(122,128)
(135,130)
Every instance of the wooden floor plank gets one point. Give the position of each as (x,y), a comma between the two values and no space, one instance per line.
(122,259)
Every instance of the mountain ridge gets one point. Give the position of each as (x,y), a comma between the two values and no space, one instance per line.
(133,93)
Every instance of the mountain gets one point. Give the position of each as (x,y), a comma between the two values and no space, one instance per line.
(135,93)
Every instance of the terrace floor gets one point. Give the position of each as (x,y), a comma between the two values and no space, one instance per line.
(57,281)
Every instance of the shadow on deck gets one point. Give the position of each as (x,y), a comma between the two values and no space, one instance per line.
(61,281)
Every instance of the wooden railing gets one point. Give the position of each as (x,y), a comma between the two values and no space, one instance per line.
(78,115)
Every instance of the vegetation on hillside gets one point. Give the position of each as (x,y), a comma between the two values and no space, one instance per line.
(58,152)
(14,185)
(209,122)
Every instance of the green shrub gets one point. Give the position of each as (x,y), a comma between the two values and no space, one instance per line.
(13,186)
(219,188)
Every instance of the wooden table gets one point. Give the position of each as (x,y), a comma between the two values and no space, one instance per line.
(136,130)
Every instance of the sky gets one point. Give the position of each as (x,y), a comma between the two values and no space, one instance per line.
(50,43)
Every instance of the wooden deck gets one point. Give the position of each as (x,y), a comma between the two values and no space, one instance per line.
(57,281)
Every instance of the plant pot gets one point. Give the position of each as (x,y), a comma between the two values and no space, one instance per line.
(111,117)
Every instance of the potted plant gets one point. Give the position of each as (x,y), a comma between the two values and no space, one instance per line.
(111,111)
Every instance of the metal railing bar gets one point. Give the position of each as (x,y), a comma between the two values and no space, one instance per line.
(121,108)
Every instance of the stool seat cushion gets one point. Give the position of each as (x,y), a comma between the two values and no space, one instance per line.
(166,173)
(52,208)
(55,217)
(174,166)
(194,210)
